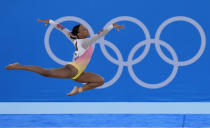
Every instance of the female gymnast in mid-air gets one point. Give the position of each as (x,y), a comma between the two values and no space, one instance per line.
(82,55)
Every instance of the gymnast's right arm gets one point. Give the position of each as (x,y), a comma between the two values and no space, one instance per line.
(59,27)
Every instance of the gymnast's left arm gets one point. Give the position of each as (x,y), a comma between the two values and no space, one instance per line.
(102,33)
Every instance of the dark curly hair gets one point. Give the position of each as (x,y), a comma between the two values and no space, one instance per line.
(75,31)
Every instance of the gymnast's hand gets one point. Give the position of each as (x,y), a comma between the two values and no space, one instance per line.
(44,21)
(118,26)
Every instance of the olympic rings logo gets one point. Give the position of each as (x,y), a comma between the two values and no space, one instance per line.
(147,42)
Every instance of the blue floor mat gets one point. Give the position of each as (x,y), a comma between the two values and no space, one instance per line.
(104,120)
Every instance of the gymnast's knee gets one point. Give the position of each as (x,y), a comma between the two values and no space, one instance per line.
(45,73)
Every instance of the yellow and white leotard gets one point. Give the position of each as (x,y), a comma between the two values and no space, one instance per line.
(84,50)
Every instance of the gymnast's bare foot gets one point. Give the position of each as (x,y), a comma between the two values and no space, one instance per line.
(74,91)
(13,66)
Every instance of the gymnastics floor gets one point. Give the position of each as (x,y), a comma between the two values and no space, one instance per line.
(105,120)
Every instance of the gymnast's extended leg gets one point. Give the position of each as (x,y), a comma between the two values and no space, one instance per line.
(67,72)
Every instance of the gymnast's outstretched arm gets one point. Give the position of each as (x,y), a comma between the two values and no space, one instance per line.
(101,33)
(59,27)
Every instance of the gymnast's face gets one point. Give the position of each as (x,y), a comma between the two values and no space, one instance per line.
(83,32)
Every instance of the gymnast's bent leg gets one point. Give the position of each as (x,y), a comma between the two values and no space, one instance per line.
(92,81)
